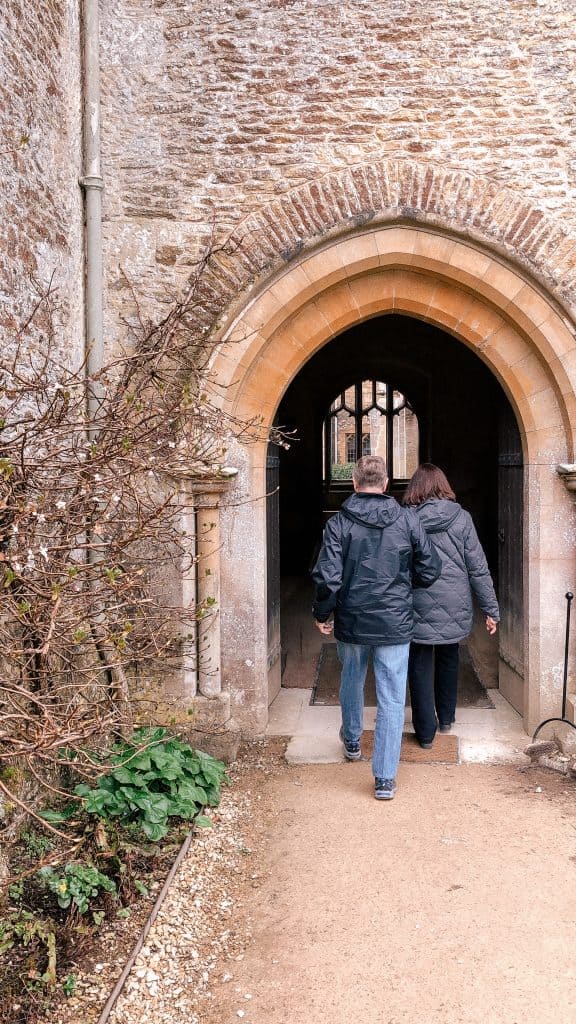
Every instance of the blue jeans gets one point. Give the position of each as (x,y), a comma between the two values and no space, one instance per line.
(390,671)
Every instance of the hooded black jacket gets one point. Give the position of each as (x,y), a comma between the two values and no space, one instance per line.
(443,614)
(373,553)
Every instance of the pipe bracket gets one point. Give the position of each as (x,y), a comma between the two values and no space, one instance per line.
(91,181)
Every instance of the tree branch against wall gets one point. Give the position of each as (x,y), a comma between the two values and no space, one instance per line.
(91,514)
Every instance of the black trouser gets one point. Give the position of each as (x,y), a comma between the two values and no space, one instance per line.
(433,682)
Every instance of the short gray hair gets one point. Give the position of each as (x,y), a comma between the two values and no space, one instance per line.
(370,471)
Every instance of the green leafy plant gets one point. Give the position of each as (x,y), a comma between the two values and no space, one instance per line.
(69,985)
(155,777)
(61,815)
(78,885)
(16,892)
(6,936)
(36,844)
(24,927)
(342,470)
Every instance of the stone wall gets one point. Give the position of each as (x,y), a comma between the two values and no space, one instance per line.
(40,163)
(286,122)
(212,111)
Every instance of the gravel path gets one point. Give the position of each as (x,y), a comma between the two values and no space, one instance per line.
(311,903)
(454,904)
(205,921)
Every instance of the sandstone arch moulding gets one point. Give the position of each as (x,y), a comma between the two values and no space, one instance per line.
(490,304)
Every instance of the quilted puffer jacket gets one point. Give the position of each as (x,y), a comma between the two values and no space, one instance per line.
(373,553)
(443,612)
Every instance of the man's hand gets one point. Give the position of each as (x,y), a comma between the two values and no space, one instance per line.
(324,627)
(491,625)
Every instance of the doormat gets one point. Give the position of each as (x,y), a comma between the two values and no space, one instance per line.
(471,693)
(444,750)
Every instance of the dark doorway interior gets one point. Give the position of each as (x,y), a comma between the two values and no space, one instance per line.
(459,406)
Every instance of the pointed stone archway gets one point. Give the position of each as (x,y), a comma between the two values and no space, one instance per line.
(489,305)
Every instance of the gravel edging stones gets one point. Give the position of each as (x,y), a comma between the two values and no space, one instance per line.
(193,933)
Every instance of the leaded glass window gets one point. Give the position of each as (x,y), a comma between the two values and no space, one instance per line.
(370,417)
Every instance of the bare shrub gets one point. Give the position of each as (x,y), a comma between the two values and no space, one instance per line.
(91,514)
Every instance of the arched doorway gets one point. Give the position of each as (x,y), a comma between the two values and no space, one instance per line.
(441,404)
(469,295)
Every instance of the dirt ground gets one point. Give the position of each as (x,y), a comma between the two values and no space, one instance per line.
(453,903)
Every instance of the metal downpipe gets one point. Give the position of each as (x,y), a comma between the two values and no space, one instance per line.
(92,184)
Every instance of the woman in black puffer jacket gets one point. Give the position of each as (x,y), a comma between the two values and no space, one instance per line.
(443,612)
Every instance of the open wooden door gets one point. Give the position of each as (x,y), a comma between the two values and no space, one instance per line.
(510,559)
(273,571)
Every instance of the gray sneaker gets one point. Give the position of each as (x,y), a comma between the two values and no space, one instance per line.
(352,751)
(384,789)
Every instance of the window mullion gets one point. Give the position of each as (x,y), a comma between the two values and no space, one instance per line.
(346,439)
(358,419)
(390,439)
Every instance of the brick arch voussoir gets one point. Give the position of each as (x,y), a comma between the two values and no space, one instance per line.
(387,191)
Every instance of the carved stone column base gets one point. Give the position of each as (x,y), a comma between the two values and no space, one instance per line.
(204,722)
(222,745)
(211,728)
(210,714)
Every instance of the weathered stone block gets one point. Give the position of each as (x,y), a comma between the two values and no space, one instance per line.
(222,745)
(210,714)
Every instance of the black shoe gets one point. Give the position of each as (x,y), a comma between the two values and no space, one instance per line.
(384,789)
(445,728)
(352,751)
(426,746)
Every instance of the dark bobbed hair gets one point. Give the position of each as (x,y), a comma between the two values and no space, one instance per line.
(429,481)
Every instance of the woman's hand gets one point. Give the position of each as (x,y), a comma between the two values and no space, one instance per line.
(325,627)
(491,625)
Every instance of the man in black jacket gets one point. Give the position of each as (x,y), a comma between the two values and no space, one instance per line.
(373,553)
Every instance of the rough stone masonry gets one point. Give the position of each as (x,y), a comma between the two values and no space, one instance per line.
(41,237)
(211,111)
